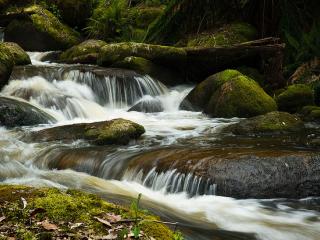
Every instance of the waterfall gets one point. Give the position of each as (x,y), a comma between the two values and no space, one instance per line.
(172,181)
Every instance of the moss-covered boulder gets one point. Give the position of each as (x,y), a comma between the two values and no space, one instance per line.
(295,97)
(168,56)
(229,94)
(14,113)
(270,123)
(40,31)
(147,67)
(51,213)
(310,113)
(225,36)
(10,54)
(117,131)
(85,52)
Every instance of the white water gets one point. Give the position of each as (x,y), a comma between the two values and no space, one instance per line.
(72,100)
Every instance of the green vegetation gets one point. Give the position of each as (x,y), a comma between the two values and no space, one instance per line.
(37,213)
(295,97)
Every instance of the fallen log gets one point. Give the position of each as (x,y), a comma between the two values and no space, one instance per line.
(263,54)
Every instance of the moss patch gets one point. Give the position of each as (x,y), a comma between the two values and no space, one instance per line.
(225,36)
(19,56)
(85,52)
(63,210)
(295,97)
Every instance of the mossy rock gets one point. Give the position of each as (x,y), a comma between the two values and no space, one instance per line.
(10,54)
(225,36)
(20,57)
(85,52)
(117,131)
(42,31)
(252,73)
(63,209)
(146,67)
(14,113)
(168,56)
(311,113)
(229,94)
(270,123)
(295,97)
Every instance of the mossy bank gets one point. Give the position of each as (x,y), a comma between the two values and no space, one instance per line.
(29,213)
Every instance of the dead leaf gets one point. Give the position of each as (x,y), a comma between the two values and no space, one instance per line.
(111,236)
(76,225)
(48,226)
(104,222)
(24,202)
(2,218)
(113,218)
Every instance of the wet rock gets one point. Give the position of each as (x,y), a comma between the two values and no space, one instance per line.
(229,94)
(295,97)
(52,56)
(10,54)
(225,36)
(150,105)
(270,123)
(85,52)
(14,113)
(40,31)
(241,172)
(117,131)
(146,67)
(168,56)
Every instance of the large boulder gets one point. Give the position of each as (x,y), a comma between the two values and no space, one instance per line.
(270,123)
(14,113)
(229,94)
(232,172)
(146,67)
(165,55)
(10,54)
(85,52)
(117,131)
(40,31)
(227,35)
(295,97)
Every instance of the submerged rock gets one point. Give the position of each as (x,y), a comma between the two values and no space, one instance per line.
(53,209)
(168,56)
(146,67)
(117,131)
(225,36)
(85,52)
(295,97)
(270,123)
(41,31)
(14,113)
(229,94)
(10,54)
(150,105)
(238,172)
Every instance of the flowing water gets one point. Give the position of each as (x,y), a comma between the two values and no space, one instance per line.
(77,93)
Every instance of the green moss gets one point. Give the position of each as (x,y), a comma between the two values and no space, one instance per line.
(113,53)
(85,52)
(253,73)
(60,208)
(142,16)
(227,35)
(119,131)
(295,97)
(18,55)
(311,113)
(270,123)
(46,22)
